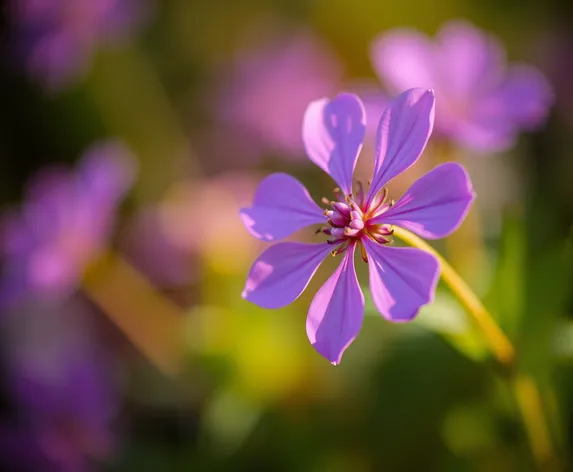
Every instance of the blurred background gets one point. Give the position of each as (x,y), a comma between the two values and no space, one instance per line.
(132,131)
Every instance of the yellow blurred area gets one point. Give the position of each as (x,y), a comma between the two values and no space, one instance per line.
(265,350)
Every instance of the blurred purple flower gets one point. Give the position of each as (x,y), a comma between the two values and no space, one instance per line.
(401,279)
(150,248)
(62,386)
(57,38)
(264,99)
(482,103)
(65,222)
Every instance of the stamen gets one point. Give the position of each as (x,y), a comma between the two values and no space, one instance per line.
(339,250)
(363,253)
(357,209)
(356,224)
(342,208)
(349,219)
(379,200)
(380,239)
(336,219)
(356,220)
(351,232)
(339,195)
(337,233)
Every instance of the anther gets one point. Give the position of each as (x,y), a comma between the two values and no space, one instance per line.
(356,224)
(351,232)
(337,233)
(342,208)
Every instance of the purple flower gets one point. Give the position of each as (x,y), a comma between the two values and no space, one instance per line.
(482,103)
(65,222)
(62,388)
(298,65)
(57,38)
(401,279)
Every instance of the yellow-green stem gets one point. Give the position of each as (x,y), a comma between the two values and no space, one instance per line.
(530,404)
(466,249)
(496,338)
(524,388)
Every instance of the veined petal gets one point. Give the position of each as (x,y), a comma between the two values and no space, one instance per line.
(335,315)
(404,59)
(402,279)
(435,205)
(282,205)
(403,132)
(333,132)
(282,272)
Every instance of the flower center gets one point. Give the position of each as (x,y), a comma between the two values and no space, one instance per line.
(350,219)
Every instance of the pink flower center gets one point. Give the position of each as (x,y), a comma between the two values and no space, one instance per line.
(350,220)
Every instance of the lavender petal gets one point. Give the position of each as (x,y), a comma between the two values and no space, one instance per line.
(401,280)
(281,206)
(336,312)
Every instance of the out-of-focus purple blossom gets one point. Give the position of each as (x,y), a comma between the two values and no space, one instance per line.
(150,248)
(64,223)
(57,38)
(168,246)
(214,205)
(482,103)
(266,92)
(401,279)
(62,386)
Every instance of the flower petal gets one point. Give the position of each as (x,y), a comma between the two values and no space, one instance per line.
(472,60)
(282,272)
(282,205)
(435,205)
(404,59)
(521,101)
(524,97)
(333,132)
(402,279)
(485,131)
(336,312)
(403,132)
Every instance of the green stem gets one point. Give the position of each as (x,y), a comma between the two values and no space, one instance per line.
(530,403)
(498,342)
